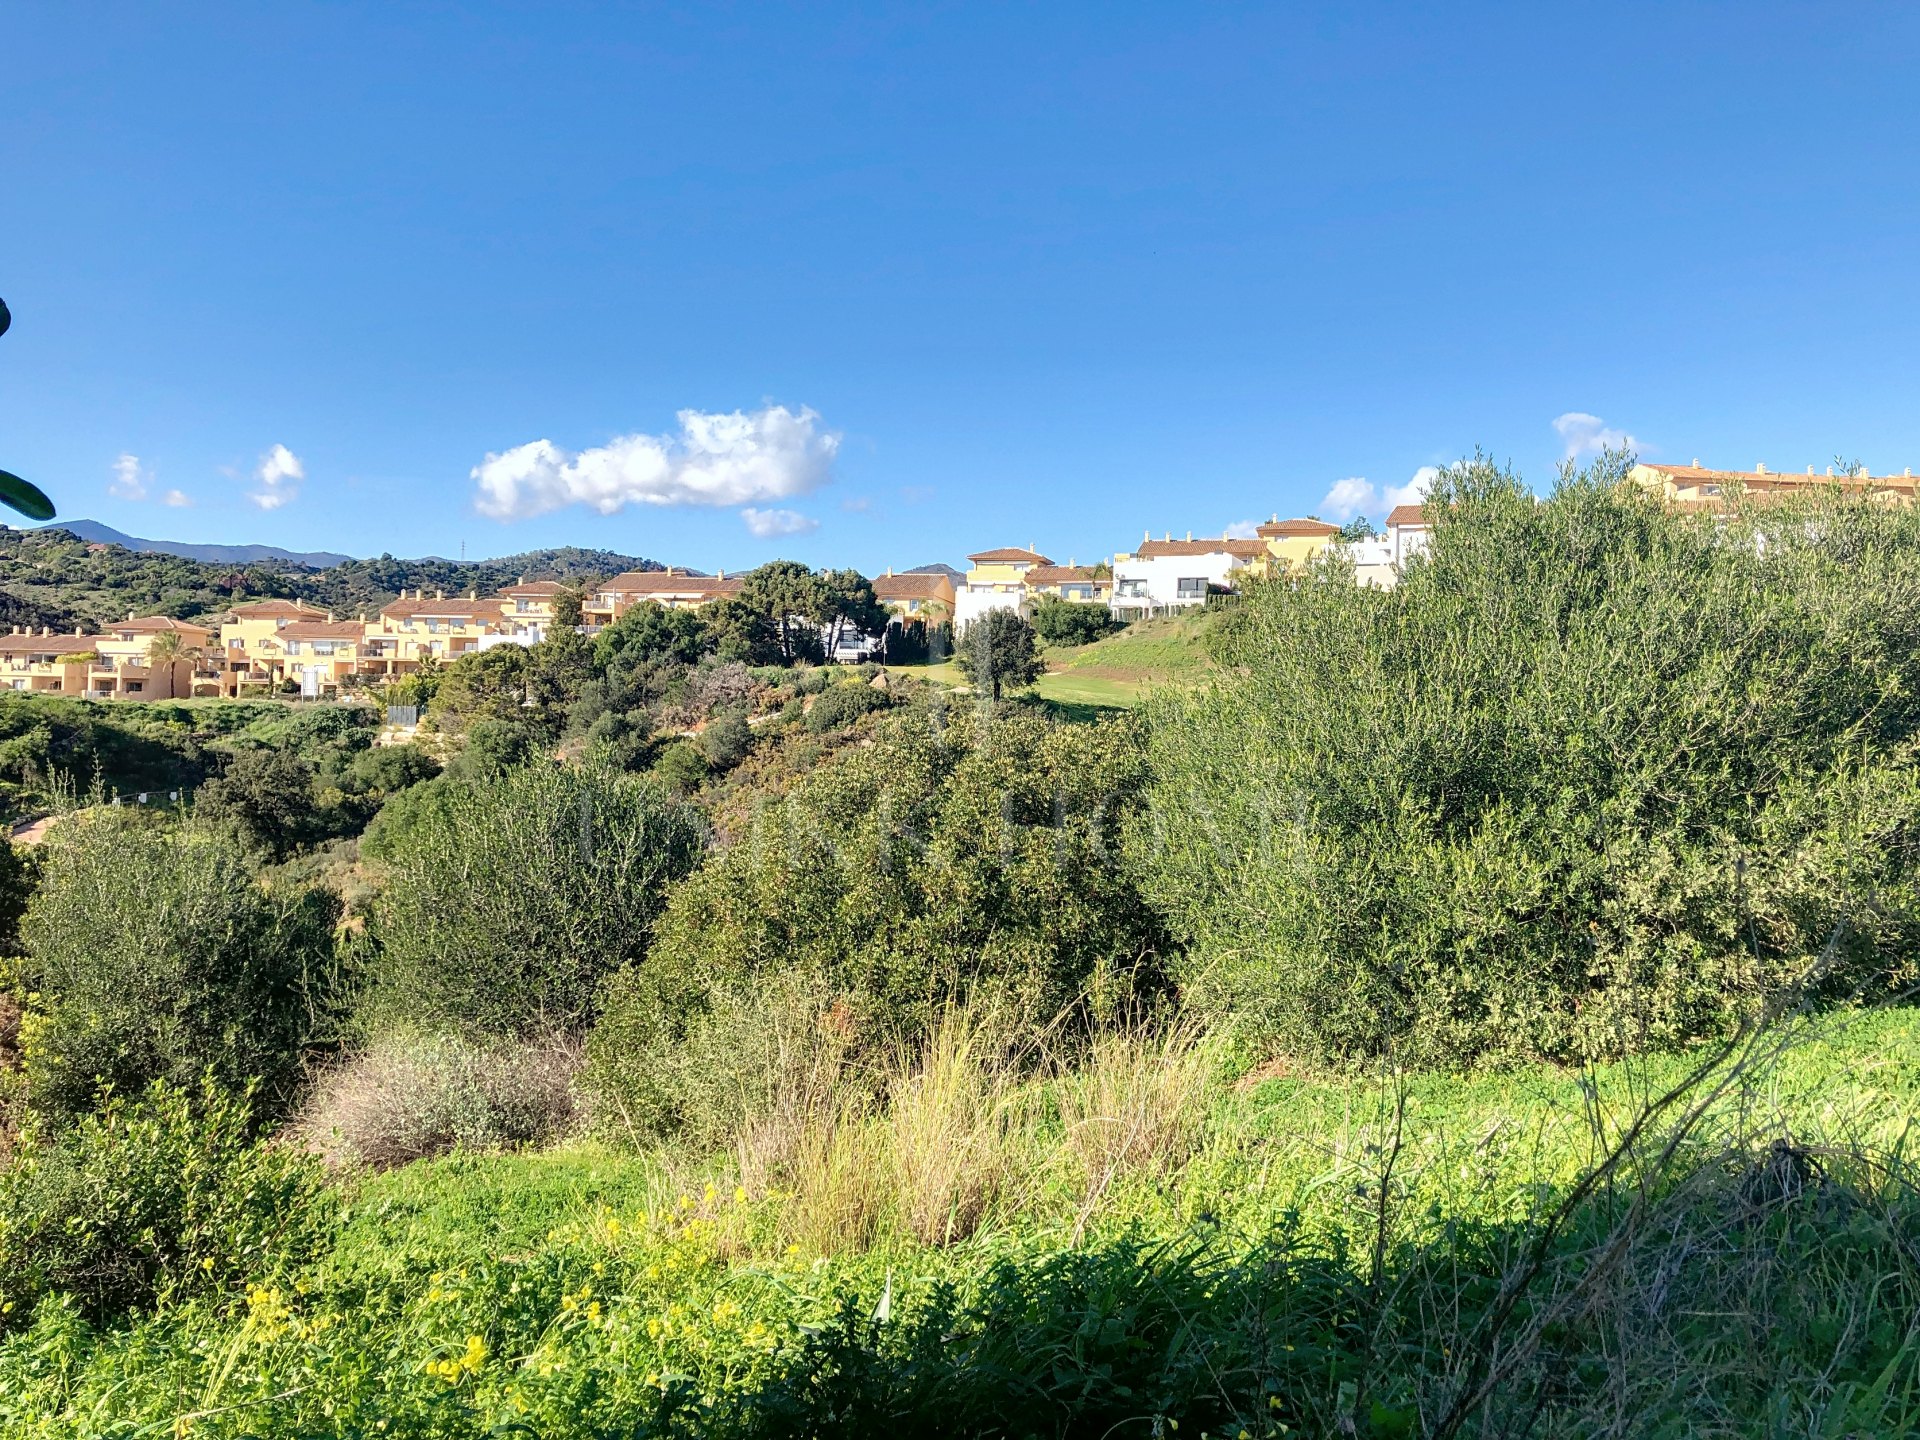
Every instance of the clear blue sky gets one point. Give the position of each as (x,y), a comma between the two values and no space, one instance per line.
(1049,273)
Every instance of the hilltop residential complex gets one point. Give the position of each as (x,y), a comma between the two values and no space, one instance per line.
(283,645)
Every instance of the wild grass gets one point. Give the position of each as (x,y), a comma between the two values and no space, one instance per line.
(1700,1245)
(406,1098)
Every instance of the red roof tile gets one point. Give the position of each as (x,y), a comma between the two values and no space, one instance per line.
(1011,555)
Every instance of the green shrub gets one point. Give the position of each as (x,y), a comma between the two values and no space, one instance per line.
(997,653)
(681,766)
(957,856)
(506,901)
(156,954)
(1071,622)
(265,798)
(843,704)
(154,1198)
(1594,777)
(727,740)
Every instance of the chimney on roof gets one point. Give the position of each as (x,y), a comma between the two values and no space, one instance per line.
(1759,467)
(439,594)
(1907,474)
(1167,536)
(1829,471)
(1696,462)
(723,574)
(1189,534)
(129,616)
(473,594)
(403,592)
(329,617)
(523,579)
(669,570)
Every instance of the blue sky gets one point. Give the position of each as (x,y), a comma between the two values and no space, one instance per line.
(967,275)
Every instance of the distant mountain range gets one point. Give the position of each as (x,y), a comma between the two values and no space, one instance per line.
(94,533)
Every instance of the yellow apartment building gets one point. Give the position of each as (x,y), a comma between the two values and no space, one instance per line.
(320,654)
(1294,544)
(250,650)
(1069,582)
(996,580)
(1699,487)
(37,662)
(675,589)
(529,607)
(127,669)
(420,627)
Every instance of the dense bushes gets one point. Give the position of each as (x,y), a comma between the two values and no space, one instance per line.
(159,1196)
(957,856)
(1596,776)
(840,705)
(156,954)
(506,900)
(1071,622)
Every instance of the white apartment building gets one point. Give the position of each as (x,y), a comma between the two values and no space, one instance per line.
(1163,576)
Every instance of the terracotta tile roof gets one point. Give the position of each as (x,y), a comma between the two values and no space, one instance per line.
(1011,555)
(47,644)
(1779,480)
(661,582)
(1062,574)
(323,630)
(274,609)
(1274,529)
(459,609)
(913,587)
(535,589)
(153,624)
(1407,515)
(1239,549)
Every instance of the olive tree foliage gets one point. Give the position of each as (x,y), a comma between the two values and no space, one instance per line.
(998,652)
(506,899)
(960,855)
(156,954)
(1595,776)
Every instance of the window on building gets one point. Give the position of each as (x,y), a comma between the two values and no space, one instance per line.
(1133,589)
(1191,587)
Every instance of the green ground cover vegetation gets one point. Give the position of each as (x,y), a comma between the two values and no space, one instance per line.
(1475,1008)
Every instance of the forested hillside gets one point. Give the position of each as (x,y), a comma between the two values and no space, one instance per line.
(49,577)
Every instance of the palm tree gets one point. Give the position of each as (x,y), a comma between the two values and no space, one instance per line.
(164,649)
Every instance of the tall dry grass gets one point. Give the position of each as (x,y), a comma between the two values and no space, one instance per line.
(407,1098)
(963,1130)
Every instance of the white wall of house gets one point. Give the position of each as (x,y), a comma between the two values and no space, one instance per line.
(1406,541)
(1373,563)
(1167,582)
(970,602)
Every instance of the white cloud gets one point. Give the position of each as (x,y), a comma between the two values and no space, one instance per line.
(1357,495)
(856,504)
(1242,530)
(130,478)
(716,459)
(1586,434)
(1414,491)
(278,475)
(1348,498)
(771,524)
(175,498)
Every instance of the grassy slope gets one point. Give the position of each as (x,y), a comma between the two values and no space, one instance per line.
(588,1288)
(1118,671)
